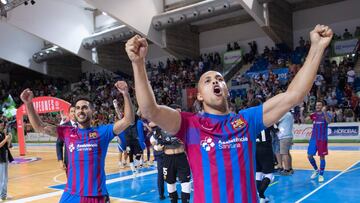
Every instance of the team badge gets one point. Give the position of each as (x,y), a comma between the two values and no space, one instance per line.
(93,134)
(238,123)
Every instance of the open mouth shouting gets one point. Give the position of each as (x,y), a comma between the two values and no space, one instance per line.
(217,90)
(81,116)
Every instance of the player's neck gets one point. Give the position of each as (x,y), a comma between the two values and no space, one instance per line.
(216,110)
(84,125)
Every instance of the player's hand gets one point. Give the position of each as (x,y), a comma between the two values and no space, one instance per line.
(8,138)
(159,147)
(324,109)
(321,36)
(122,87)
(62,115)
(115,103)
(26,96)
(62,165)
(136,49)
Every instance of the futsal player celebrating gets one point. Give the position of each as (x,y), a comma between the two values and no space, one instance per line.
(87,146)
(318,141)
(221,145)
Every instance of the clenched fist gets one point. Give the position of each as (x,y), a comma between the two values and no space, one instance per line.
(136,49)
(321,35)
(122,87)
(26,96)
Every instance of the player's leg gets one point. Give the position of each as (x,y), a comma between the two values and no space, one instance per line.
(170,177)
(183,171)
(276,150)
(160,183)
(322,168)
(267,173)
(285,145)
(311,152)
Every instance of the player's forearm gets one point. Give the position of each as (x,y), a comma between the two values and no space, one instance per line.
(2,143)
(34,118)
(118,112)
(129,116)
(304,79)
(144,93)
(327,118)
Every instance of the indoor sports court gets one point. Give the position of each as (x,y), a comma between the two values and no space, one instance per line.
(191,101)
(42,181)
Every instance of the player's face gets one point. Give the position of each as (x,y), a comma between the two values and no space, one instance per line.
(212,90)
(72,113)
(318,106)
(83,112)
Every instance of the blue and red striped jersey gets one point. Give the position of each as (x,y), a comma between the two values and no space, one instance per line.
(221,153)
(320,126)
(86,150)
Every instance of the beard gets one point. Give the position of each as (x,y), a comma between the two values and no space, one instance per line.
(83,121)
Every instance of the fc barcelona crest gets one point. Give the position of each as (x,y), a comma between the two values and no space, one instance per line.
(93,134)
(238,123)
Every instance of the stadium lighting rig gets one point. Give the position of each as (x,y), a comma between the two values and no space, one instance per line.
(8,5)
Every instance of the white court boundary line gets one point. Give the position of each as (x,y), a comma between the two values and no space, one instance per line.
(47,151)
(344,171)
(52,194)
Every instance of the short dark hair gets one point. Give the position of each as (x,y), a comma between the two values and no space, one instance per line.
(81,98)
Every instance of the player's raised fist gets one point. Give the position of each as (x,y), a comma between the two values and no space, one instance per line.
(321,35)
(136,48)
(122,87)
(26,96)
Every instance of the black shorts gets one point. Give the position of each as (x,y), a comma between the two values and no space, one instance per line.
(176,165)
(134,148)
(264,161)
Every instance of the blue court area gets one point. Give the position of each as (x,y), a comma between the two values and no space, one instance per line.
(338,186)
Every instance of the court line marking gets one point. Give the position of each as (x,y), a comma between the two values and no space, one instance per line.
(37,197)
(52,194)
(354,169)
(35,174)
(113,180)
(55,179)
(47,151)
(323,185)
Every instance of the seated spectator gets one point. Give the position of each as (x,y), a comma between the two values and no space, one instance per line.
(347,34)
(357,31)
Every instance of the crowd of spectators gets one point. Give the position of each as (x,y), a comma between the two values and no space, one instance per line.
(335,83)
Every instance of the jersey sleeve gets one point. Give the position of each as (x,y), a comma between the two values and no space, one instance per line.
(141,136)
(313,116)
(63,132)
(107,132)
(184,126)
(254,117)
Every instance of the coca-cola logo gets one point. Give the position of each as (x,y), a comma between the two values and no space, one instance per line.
(303,132)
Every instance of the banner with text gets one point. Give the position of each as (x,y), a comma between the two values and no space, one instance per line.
(282,73)
(345,46)
(335,131)
(232,57)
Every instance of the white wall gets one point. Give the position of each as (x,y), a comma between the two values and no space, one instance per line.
(216,40)
(156,54)
(18,47)
(57,22)
(338,16)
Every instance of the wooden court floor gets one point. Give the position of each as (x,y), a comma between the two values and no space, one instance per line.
(33,179)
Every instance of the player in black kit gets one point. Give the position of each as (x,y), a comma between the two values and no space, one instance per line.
(264,158)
